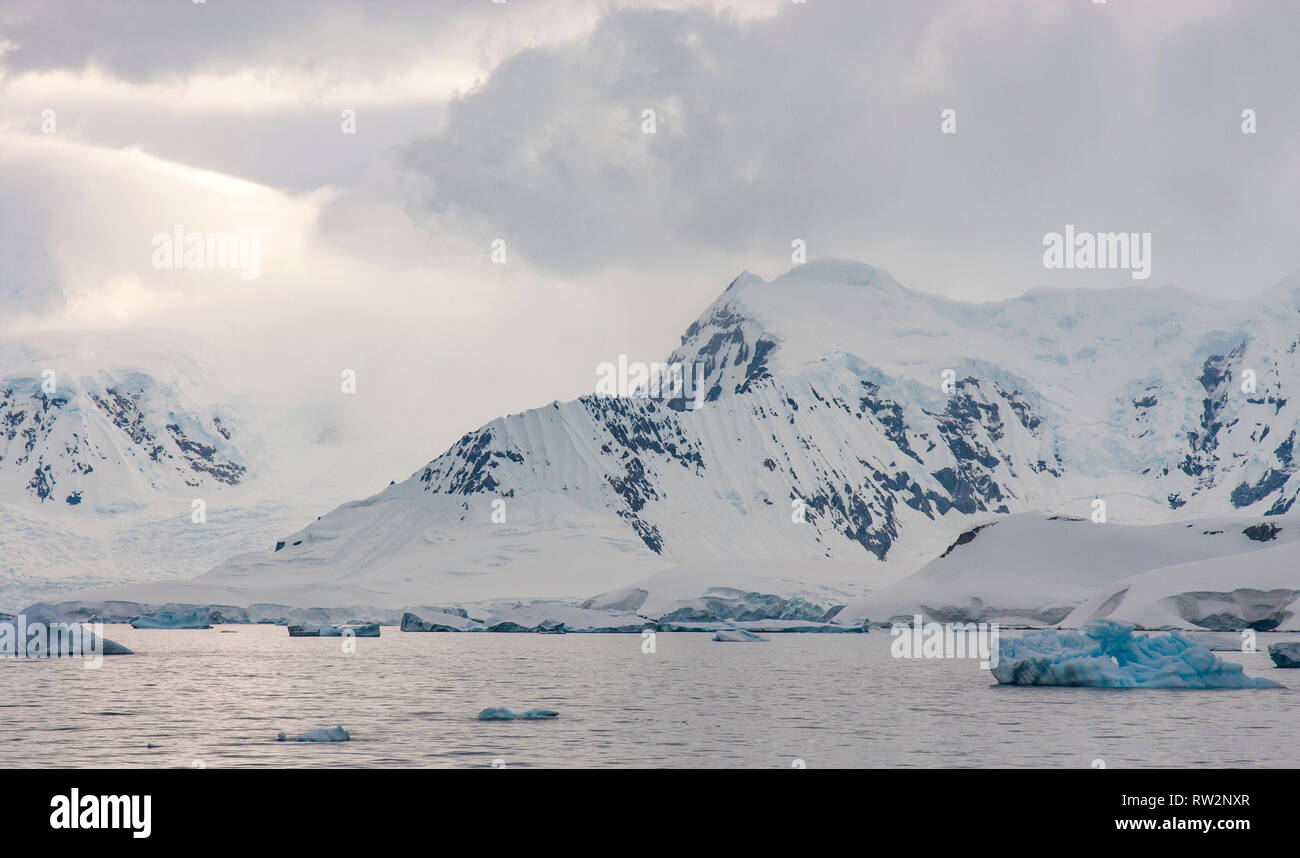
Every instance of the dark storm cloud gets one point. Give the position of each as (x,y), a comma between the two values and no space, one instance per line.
(823,123)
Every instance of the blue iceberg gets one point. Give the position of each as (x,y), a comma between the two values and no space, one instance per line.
(500,713)
(1107,654)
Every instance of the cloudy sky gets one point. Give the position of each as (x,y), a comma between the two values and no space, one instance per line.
(523,121)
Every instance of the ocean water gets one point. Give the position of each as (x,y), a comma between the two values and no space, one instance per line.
(218,698)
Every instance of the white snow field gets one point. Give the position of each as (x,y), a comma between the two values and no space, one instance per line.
(851,430)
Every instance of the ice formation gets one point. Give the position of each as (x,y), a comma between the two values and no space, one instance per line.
(195,619)
(1285,654)
(310,630)
(1108,654)
(736,636)
(500,713)
(46,635)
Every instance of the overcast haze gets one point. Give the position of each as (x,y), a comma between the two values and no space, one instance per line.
(522,121)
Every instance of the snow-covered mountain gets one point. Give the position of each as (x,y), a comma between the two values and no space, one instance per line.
(851,429)
(123,459)
(102,439)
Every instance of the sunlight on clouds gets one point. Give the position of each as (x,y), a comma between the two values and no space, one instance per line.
(106,207)
(247,91)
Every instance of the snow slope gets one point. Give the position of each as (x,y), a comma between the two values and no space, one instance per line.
(1043,570)
(1259,591)
(825,392)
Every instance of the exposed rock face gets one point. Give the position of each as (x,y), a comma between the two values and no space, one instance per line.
(83,443)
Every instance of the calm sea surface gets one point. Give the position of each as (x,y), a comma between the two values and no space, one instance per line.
(218,698)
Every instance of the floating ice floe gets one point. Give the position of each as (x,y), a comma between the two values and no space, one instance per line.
(308,630)
(1285,654)
(736,636)
(320,734)
(1108,654)
(500,713)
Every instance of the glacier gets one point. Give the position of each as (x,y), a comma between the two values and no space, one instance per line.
(1109,654)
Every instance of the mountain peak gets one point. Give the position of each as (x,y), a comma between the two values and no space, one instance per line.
(844,271)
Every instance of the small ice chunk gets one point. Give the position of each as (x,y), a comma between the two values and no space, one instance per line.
(1107,654)
(736,636)
(1285,654)
(314,630)
(320,734)
(500,713)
